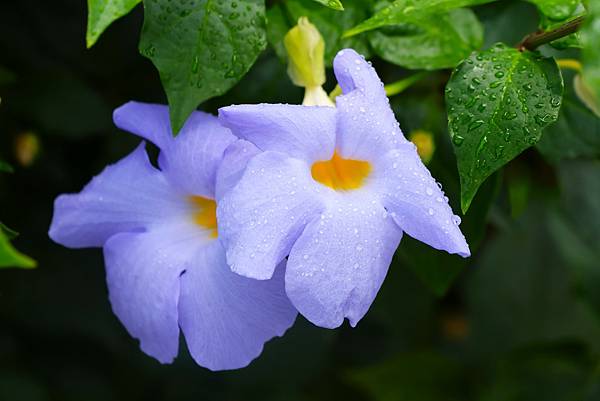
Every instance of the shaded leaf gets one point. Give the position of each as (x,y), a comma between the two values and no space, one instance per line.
(434,42)
(551,372)
(575,134)
(5,167)
(10,257)
(520,292)
(415,376)
(498,102)
(102,13)
(201,48)
(407,11)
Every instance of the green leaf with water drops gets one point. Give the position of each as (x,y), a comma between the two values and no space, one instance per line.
(102,13)
(410,11)
(201,48)
(434,42)
(590,37)
(556,9)
(333,4)
(498,102)
(10,257)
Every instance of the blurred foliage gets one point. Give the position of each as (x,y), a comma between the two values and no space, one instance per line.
(518,321)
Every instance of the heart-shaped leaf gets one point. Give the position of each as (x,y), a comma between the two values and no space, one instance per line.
(498,102)
(201,48)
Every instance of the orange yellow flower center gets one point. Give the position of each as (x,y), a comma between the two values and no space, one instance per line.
(205,214)
(341,174)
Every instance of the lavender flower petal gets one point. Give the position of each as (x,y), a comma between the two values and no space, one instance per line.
(226,318)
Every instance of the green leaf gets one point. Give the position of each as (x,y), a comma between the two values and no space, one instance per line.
(10,257)
(434,42)
(331,25)
(590,37)
(556,9)
(201,48)
(407,11)
(333,4)
(5,167)
(102,13)
(498,102)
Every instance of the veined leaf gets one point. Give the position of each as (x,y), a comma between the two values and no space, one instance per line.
(102,13)
(201,48)
(498,102)
(406,11)
(10,257)
(439,41)
(334,4)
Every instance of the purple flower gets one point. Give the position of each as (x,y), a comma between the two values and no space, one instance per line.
(333,188)
(165,265)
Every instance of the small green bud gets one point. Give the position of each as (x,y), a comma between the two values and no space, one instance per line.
(306,49)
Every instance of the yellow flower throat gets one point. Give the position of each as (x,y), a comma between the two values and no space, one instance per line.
(341,174)
(205,214)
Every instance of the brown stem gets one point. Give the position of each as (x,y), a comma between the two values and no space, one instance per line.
(536,39)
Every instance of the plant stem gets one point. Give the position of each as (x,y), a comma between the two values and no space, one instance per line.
(403,84)
(536,39)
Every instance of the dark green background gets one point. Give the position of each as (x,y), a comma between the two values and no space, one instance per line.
(519,323)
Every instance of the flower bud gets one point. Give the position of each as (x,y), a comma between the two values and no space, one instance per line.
(306,49)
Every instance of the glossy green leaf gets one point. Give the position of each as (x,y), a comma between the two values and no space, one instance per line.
(556,9)
(590,37)
(331,25)
(407,11)
(201,48)
(434,42)
(334,4)
(10,257)
(498,102)
(102,13)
